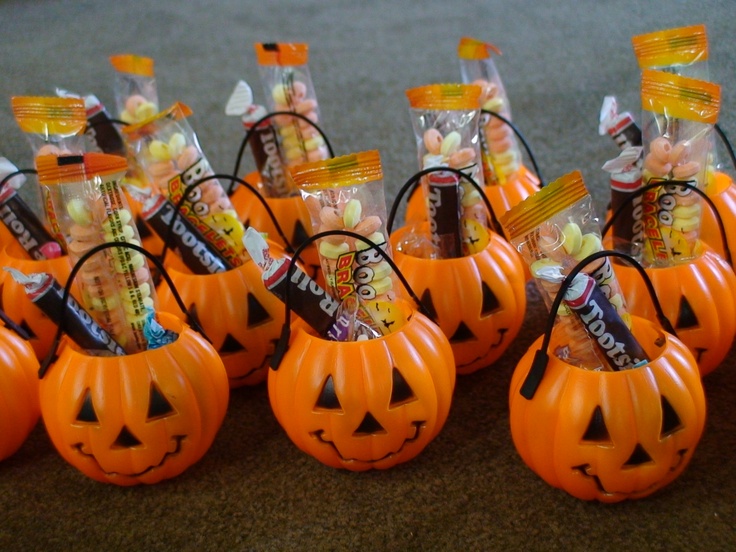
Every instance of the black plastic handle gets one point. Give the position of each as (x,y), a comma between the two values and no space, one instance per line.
(265,118)
(191,320)
(541,356)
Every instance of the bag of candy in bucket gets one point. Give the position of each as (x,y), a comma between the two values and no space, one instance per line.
(346,193)
(553,230)
(677,121)
(288,86)
(116,286)
(167,148)
(445,122)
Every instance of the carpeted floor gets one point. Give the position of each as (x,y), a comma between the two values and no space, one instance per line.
(469,489)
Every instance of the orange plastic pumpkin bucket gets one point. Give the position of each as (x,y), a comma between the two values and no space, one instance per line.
(363,404)
(608,436)
(137,418)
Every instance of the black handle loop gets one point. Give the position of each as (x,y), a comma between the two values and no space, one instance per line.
(541,356)
(656,183)
(520,136)
(13,174)
(727,143)
(283,342)
(185,197)
(268,116)
(415,179)
(191,319)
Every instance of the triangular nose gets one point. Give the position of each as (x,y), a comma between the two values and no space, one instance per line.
(126,439)
(369,426)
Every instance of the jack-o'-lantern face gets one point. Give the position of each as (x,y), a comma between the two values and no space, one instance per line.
(15,302)
(610,436)
(686,291)
(136,418)
(239,315)
(478,301)
(365,404)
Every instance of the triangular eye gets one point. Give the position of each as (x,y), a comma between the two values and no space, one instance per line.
(490,302)
(686,318)
(126,439)
(158,405)
(327,397)
(257,314)
(369,426)
(597,430)
(87,412)
(24,326)
(400,392)
(300,234)
(426,300)
(638,457)
(462,333)
(671,422)
(231,345)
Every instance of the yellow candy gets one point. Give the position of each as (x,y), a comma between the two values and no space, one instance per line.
(135,262)
(494,104)
(543,266)
(382,286)
(376,237)
(471,198)
(117,219)
(145,111)
(177,143)
(79,212)
(314,143)
(279,93)
(352,213)
(126,234)
(450,143)
(591,244)
(159,150)
(333,251)
(686,211)
(573,238)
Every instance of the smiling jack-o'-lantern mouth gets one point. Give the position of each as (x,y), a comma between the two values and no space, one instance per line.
(418,426)
(586,471)
(177,440)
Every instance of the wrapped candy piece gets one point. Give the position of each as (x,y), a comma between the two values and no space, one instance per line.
(168,150)
(346,193)
(21,221)
(264,143)
(625,178)
(553,230)
(445,121)
(287,83)
(115,283)
(47,294)
(678,118)
(614,340)
(136,95)
(307,298)
(500,153)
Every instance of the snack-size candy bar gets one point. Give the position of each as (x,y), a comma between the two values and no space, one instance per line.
(443,203)
(100,127)
(267,154)
(47,294)
(196,252)
(619,126)
(625,178)
(306,297)
(24,225)
(609,332)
